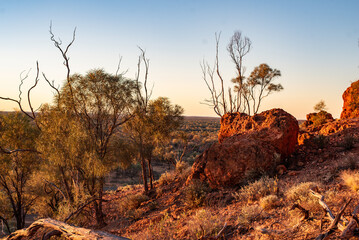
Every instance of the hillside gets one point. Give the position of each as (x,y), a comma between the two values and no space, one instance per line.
(263,209)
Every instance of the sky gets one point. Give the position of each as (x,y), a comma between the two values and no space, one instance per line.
(314,43)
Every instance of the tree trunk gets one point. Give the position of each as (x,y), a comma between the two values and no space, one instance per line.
(144,172)
(46,228)
(100,220)
(150,171)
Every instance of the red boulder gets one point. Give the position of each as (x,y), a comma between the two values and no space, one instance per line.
(351,102)
(247,144)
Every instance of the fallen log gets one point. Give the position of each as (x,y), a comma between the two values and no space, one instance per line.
(46,228)
(348,228)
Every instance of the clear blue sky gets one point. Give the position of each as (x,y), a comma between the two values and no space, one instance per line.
(314,43)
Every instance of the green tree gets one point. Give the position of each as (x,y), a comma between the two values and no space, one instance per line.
(17,167)
(150,129)
(97,104)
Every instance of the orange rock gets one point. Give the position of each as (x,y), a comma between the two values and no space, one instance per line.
(351,101)
(276,125)
(246,144)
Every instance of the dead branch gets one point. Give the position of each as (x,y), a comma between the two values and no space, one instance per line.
(7,151)
(334,223)
(348,229)
(351,228)
(56,228)
(74,213)
(303,210)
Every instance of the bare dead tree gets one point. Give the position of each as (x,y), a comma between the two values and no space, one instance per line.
(248,92)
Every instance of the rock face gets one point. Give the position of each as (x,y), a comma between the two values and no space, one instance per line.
(247,144)
(351,102)
(275,126)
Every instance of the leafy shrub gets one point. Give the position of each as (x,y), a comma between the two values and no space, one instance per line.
(204,224)
(258,189)
(320,118)
(351,179)
(195,194)
(269,202)
(249,214)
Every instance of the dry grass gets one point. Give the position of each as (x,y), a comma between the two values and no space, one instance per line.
(249,214)
(300,192)
(204,224)
(256,190)
(351,179)
(269,202)
(181,171)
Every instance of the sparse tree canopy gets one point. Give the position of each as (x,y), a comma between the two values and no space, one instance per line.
(151,128)
(320,106)
(248,91)
(17,169)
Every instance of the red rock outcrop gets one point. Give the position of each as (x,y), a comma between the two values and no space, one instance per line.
(246,144)
(351,101)
(276,126)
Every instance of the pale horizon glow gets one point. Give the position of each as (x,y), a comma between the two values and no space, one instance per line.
(313,43)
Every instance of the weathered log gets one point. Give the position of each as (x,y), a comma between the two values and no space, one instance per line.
(49,227)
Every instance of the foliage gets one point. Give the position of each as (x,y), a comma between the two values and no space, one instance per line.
(320,118)
(320,106)
(17,169)
(152,128)
(195,194)
(321,141)
(348,142)
(258,189)
(248,91)
(78,134)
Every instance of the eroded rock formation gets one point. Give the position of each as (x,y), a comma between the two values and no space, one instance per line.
(246,144)
(351,102)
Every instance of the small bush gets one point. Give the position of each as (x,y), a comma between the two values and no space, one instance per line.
(182,171)
(348,142)
(258,189)
(204,224)
(351,179)
(249,214)
(132,202)
(269,202)
(300,193)
(321,141)
(167,178)
(320,118)
(181,166)
(195,194)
